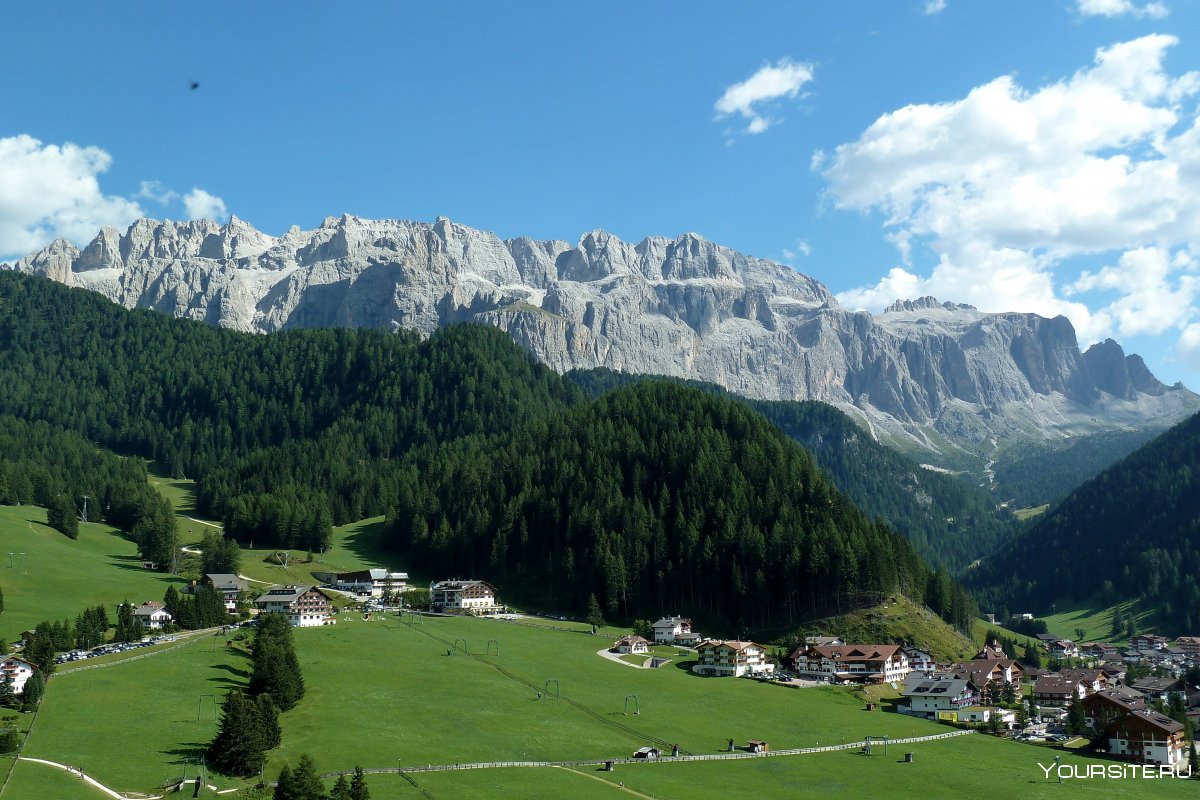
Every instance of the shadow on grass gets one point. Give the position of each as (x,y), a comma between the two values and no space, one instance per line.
(190,753)
(370,543)
(686,666)
(241,673)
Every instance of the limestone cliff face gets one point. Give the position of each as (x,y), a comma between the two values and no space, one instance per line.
(936,374)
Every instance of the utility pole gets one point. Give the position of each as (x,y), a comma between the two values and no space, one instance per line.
(85,499)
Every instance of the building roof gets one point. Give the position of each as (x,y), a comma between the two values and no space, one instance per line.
(1055,684)
(736,644)
(1152,685)
(225,580)
(149,609)
(631,640)
(282,594)
(850,653)
(17,660)
(936,686)
(1120,696)
(458,584)
(1151,717)
(670,622)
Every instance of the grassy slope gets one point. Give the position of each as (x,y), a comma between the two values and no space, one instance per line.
(901,620)
(382,693)
(980,628)
(1095,617)
(60,577)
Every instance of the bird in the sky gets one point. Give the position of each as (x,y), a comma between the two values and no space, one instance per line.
(195,85)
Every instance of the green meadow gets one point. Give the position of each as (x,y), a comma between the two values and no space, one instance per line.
(60,577)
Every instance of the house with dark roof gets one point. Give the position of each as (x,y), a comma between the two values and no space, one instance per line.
(304,606)
(930,695)
(18,671)
(471,596)
(852,662)
(1055,690)
(1147,737)
(1110,704)
(668,629)
(991,675)
(230,586)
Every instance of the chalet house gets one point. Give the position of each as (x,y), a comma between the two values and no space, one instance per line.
(1189,646)
(17,670)
(1108,705)
(152,615)
(304,606)
(687,638)
(631,644)
(991,652)
(919,660)
(372,582)
(990,675)
(473,597)
(930,695)
(732,658)
(648,753)
(1147,737)
(1099,650)
(668,629)
(853,662)
(1063,648)
(823,641)
(981,714)
(1093,680)
(1148,643)
(1055,690)
(230,586)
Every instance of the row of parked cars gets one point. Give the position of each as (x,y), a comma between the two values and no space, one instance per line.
(108,649)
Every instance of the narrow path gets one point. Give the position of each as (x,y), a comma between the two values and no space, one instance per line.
(256,580)
(619,786)
(78,773)
(616,659)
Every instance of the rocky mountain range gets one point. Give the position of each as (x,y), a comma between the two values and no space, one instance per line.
(942,377)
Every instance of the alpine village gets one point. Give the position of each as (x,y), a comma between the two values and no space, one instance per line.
(371,507)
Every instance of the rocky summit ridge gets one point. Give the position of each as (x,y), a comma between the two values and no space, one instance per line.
(943,376)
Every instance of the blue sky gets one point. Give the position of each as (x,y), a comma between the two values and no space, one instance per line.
(1031,156)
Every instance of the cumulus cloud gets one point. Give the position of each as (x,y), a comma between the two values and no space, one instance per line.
(49,191)
(1007,185)
(1117,8)
(934,7)
(199,204)
(752,96)
(1188,346)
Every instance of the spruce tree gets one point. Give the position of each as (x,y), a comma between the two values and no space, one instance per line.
(358,785)
(302,783)
(341,789)
(241,743)
(31,695)
(594,617)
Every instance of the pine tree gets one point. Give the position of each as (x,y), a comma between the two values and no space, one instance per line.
(241,743)
(358,785)
(8,695)
(302,783)
(31,695)
(1,600)
(268,722)
(1032,657)
(594,617)
(341,789)
(1076,719)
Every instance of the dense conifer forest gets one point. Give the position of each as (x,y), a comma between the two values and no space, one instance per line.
(1132,532)
(485,461)
(947,519)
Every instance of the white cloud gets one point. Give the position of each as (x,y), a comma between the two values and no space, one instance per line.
(801,248)
(1117,8)
(199,204)
(1007,185)
(785,78)
(1188,346)
(49,191)
(934,7)
(154,190)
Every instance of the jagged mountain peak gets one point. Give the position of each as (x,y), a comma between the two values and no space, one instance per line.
(924,371)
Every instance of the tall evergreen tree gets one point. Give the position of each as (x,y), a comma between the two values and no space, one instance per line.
(341,789)
(240,745)
(594,617)
(31,695)
(302,783)
(358,785)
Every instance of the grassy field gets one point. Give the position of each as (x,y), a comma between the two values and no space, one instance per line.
(1025,514)
(1095,618)
(133,726)
(980,628)
(385,692)
(59,577)
(40,782)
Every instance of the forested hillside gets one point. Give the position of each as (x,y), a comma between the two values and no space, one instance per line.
(948,520)
(284,434)
(653,497)
(487,463)
(1132,532)
(1033,475)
